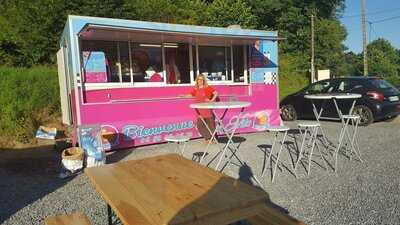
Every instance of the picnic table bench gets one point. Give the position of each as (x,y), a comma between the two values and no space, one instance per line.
(170,189)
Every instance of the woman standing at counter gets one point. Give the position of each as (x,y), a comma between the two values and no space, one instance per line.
(202,92)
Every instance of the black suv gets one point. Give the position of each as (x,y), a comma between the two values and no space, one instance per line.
(379,99)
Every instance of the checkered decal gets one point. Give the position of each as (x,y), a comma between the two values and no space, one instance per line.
(270,78)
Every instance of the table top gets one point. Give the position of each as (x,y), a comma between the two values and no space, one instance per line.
(170,189)
(333,95)
(220,105)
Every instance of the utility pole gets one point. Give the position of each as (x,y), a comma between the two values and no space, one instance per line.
(364,33)
(312,50)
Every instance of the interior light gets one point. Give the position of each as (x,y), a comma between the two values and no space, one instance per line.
(170,45)
(149,45)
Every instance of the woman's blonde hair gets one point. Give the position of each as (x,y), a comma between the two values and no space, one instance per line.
(205,84)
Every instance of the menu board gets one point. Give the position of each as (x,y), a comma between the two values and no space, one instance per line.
(262,66)
(94,65)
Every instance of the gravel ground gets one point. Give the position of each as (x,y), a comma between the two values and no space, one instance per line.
(360,193)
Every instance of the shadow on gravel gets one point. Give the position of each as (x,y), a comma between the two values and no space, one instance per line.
(246,175)
(27,175)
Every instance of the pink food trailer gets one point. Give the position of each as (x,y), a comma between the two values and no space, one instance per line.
(128,76)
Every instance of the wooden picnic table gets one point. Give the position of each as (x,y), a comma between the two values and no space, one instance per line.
(172,190)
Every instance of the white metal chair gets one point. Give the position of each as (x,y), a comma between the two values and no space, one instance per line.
(276,130)
(229,130)
(350,129)
(310,128)
(179,140)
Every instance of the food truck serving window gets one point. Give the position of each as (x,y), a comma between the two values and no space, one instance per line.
(215,62)
(148,64)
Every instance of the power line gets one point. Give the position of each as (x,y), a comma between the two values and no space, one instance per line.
(372,13)
(386,19)
(371,29)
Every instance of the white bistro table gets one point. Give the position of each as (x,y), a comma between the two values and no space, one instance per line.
(228,129)
(334,97)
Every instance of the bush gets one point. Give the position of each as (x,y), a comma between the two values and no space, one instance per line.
(291,78)
(26,93)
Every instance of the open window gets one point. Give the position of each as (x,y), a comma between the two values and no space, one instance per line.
(147,62)
(215,62)
(154,59)
(100,61)
(177,63)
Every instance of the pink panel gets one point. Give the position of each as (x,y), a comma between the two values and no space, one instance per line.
(96,77)
(131,123)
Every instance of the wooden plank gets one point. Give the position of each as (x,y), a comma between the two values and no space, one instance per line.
(119,198)
(172,190)
(272,216)
(72,219)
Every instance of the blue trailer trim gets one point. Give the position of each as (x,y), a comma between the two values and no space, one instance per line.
(79,22)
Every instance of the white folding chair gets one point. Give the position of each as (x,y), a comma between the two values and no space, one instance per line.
(310,128)
(229,130)
(276,130)
(179,140)
(351,133)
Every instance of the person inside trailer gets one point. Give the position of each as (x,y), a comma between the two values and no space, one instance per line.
(156,76)
(173,74)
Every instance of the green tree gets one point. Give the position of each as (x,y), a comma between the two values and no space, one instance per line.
(353,64)
(222,13)
(31,29)
(383,58)
(329,49)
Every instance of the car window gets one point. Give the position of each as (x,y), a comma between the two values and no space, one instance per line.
(381,84)
(343,86)
(320,87)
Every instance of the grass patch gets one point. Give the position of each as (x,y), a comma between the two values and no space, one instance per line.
(28,97)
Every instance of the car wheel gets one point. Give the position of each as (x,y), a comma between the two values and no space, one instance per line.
(366,116)
(288,113)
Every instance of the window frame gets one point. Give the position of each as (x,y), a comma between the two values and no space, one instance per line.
(192,73)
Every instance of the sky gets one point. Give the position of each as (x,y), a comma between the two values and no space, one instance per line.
(383,21)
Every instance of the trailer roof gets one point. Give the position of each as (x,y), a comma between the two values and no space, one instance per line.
(118,29)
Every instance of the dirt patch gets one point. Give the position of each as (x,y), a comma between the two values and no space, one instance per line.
(62,138)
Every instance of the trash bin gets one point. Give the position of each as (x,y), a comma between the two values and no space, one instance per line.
(72,159)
